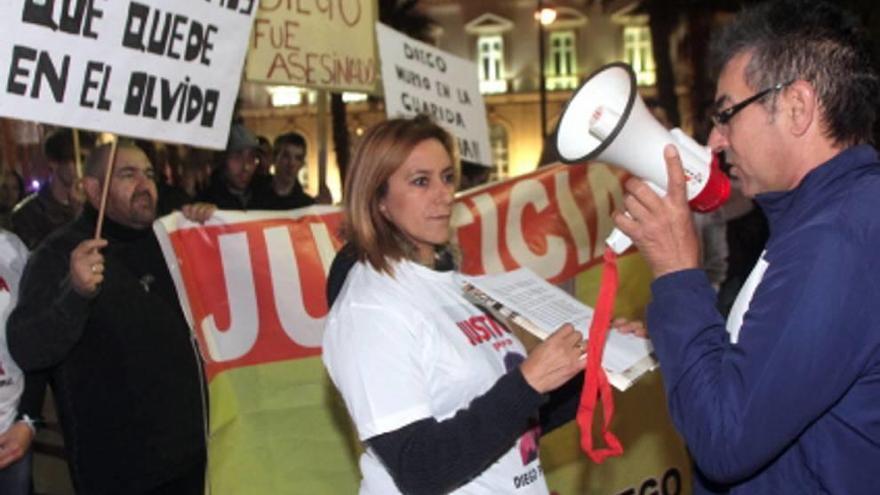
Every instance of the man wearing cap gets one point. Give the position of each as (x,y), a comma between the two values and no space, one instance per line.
(234,185)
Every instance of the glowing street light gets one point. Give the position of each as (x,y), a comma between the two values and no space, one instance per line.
(545,15)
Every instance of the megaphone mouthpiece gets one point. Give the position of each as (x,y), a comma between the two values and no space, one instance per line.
(603,122)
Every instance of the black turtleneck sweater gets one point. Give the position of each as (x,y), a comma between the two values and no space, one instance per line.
(124,368)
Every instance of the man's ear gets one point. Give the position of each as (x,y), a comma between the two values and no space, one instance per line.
(92,188)
(801,106)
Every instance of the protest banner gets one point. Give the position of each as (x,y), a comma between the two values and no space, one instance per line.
(420,79)
(154,69)
(252,284)
(325,44)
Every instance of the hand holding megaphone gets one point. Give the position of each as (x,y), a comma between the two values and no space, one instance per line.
(607,121)
(662,225)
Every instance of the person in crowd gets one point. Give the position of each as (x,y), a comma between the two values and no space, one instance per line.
(60,199)
(55,204)
(713,246)
(437,411)
(745,234)
(11,192)
(190,168)
(170,197)
(102,315)
(286,192)
(473,174)
(782,397)
(234,184)
(16,421)
(264,156)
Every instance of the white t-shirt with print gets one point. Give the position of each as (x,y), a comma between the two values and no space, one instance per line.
(411,347)
(13,256)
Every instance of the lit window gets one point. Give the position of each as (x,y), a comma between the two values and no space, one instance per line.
(490,54)
(637,52)
(351,97)
(498,142)
(283,96)
(561,68)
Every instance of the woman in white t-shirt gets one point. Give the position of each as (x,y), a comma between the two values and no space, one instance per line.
(442,395)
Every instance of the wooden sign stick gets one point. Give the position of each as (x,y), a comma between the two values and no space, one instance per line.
(106,187)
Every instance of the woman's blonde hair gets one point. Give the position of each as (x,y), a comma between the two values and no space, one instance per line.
(382,151)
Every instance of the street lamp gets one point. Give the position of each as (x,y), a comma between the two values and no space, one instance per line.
(545,15)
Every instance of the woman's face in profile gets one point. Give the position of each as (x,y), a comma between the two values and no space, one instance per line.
(419,197)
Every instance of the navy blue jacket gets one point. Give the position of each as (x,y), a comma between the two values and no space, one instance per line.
(794,406)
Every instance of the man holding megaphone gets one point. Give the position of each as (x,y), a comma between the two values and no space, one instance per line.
(783,397)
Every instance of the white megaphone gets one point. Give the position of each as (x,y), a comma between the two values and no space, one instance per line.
(607,121)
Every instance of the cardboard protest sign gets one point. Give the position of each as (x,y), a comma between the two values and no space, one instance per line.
(420,79)
(154,69)
(325,44)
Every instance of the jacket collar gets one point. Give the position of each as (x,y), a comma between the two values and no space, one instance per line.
(815,185)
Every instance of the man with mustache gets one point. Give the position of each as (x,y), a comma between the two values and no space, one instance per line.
(102,315)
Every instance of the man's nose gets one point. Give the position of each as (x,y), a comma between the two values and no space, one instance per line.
(144,180)
(717,140)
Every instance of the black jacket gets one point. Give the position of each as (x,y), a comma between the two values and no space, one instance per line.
(218,193)
(37,215)
(125,373)
(296,198)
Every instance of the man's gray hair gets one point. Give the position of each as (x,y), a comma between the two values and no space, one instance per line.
(809,40)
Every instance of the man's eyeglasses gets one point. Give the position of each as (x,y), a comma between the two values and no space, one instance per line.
(722,117)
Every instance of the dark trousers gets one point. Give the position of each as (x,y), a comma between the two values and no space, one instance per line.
(15,479)
(191,483)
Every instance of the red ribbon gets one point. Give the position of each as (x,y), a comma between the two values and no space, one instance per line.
(596,386)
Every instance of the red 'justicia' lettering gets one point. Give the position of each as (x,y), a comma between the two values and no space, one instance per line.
(465,329)
(499,329)
(481,328)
